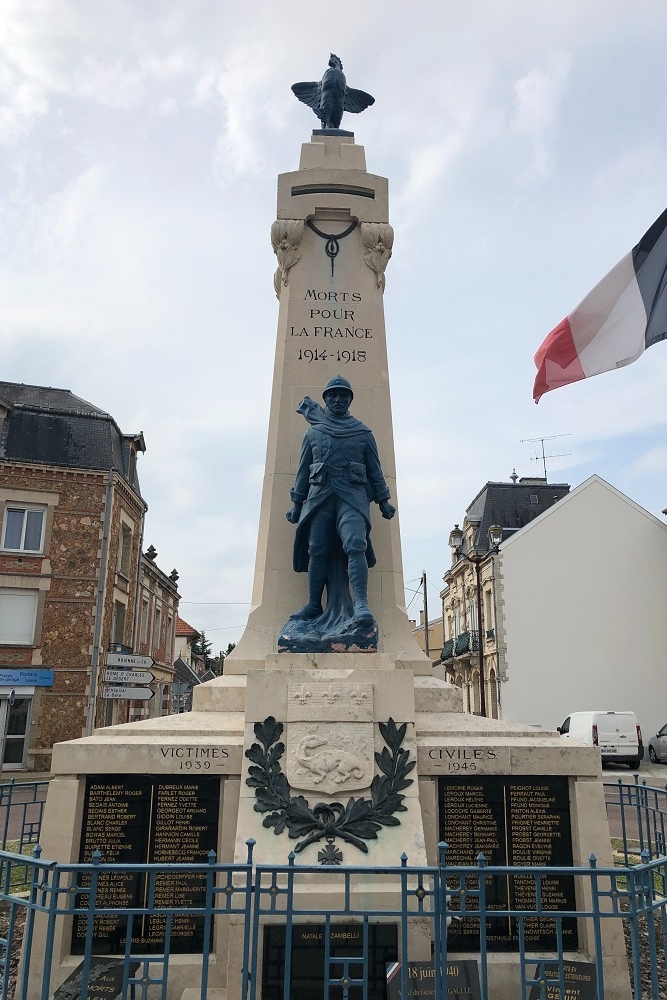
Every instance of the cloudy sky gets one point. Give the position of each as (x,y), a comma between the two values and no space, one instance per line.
(526,149)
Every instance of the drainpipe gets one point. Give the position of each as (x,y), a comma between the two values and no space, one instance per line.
(94,667)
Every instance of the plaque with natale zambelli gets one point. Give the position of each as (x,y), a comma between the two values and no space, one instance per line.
(136,819)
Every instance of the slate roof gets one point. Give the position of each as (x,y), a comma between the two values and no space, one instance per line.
(49,426)
(512,505)
(182,672)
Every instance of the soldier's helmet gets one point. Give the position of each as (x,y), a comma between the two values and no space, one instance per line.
(337,382)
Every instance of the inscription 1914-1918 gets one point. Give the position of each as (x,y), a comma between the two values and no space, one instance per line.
(512,821)
(139,819)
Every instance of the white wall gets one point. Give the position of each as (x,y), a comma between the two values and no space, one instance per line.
(585,611)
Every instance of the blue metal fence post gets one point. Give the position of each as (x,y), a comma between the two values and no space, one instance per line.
(53,890)
(632,900)
(404,924)
(481,863)
(440,923)
(8,809)
(597,922)
(648,893)
(209,902)
(250,903)
(287,978)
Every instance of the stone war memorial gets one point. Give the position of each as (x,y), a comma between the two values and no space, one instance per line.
(329,734)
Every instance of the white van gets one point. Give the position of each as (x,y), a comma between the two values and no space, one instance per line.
(617,734)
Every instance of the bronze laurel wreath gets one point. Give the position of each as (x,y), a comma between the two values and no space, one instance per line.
(356,822)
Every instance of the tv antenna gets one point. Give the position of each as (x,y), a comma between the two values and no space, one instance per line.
(542,456)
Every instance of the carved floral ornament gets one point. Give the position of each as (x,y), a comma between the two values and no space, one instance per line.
(377,239)
(286,237)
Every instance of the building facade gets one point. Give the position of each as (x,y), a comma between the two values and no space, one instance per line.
(583,595)
(156,615)
(435,636)
(186,637)
(71,523)
(474,644)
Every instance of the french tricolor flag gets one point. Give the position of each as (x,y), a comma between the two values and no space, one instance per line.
(624,314)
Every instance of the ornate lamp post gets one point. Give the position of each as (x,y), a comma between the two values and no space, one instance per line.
(456,544)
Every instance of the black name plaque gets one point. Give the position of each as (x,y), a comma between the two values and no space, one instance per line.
(512,821)
(140,819)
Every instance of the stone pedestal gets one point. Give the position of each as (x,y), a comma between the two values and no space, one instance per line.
(438,734)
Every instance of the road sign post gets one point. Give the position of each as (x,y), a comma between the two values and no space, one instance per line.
(129,661)
(128,676)
(124,692)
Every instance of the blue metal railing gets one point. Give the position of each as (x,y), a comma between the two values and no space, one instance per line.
(640,812)
(21,811)
(44,900)
(402,894)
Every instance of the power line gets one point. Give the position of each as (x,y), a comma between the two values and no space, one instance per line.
(219,603)
(222,628)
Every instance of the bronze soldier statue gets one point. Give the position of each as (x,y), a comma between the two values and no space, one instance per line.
(339,475)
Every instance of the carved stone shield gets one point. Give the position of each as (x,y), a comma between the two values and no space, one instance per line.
(332,758)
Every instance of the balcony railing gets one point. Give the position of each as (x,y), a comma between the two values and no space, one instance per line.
(447,650)
(466,642)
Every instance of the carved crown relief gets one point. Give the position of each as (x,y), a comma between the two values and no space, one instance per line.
(377,239)
(286,236)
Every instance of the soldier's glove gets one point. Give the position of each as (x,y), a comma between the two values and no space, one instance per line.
(386,509)
(294,514)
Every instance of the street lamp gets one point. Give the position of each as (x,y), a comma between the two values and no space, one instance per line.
(456,544)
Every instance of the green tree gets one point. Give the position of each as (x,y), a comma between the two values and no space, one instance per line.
(218,664)
(201,646)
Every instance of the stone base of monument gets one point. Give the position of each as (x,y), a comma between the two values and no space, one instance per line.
(476,781)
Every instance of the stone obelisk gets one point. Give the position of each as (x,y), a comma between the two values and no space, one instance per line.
(332,240)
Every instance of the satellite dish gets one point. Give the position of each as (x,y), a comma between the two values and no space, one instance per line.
(12,697)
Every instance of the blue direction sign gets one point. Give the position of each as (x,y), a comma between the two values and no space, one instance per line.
(26,678)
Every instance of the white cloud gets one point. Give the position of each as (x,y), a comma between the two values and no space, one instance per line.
(652,463)
(538,96)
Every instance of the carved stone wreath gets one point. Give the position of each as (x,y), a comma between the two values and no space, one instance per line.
(358,821)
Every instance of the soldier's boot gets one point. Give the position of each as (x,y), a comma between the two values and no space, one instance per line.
(357,571)
(317,578)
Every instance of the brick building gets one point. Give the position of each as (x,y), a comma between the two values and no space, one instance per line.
(157,612)
(71,522)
